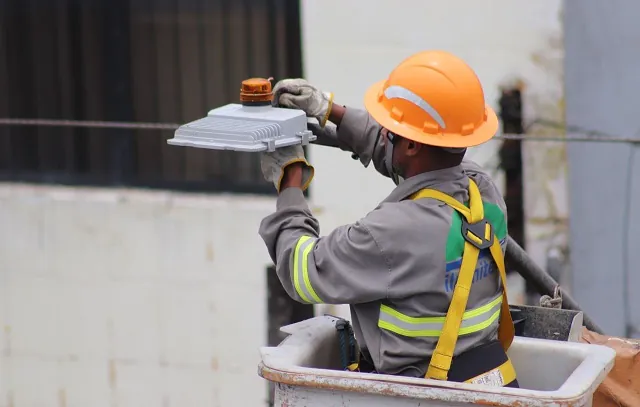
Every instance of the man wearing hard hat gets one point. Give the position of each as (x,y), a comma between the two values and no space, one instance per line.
(424,272)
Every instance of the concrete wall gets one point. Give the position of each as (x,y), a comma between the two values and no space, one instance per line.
(602,85)
(130,298)
(133,298)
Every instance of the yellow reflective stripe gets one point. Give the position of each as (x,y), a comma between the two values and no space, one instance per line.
(305,273)
(481,325)
(296,268)
(434,333)
(481,310)
(301,280)
(474,320)
(417,320)
(408,332)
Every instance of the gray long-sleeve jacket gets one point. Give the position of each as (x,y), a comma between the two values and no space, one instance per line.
(397,266)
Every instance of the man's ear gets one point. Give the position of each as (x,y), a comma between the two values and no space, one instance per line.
(413,148)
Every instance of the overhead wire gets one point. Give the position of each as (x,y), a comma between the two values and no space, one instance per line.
(574,134)
(88,124)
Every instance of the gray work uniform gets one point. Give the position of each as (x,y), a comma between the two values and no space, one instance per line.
(396,265)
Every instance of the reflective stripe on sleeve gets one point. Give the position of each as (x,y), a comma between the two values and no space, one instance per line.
(301,280)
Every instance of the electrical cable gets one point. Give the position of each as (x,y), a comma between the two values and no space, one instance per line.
(589,136)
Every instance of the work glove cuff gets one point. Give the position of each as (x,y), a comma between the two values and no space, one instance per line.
(308,171)
(273,165)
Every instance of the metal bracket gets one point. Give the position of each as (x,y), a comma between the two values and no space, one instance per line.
(271,145)
(304,135)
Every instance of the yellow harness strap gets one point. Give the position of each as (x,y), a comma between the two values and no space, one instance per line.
(478,235)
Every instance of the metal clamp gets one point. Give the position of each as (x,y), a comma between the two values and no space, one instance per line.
(304,136)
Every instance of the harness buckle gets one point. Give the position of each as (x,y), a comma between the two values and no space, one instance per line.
(475,233)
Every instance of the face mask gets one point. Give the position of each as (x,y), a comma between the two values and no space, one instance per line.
(394,173)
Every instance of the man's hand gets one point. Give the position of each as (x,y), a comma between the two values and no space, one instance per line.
(287,167)
(300,94)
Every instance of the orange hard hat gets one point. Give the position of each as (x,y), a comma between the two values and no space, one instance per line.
(435,98)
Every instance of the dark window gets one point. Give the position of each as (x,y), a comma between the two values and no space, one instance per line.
(157,61)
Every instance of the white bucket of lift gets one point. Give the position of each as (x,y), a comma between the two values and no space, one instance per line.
(551,373)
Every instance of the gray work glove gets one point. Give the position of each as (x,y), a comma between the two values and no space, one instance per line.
(300,94)
(274,163)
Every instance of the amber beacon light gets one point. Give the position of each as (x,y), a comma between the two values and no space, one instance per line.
(256,92)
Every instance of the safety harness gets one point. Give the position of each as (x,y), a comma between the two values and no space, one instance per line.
(478,234)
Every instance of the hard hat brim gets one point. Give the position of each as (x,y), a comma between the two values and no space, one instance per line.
(480,135)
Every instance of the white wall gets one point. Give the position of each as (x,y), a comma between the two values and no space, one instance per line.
(136,298)
(130,298)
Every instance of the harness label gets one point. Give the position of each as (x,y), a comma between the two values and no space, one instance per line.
(493,378)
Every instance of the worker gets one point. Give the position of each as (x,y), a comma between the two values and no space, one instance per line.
(423,272)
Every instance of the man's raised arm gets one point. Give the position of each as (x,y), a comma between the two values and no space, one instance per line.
(349,128)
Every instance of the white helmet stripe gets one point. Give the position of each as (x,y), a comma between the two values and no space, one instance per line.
(399,92)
